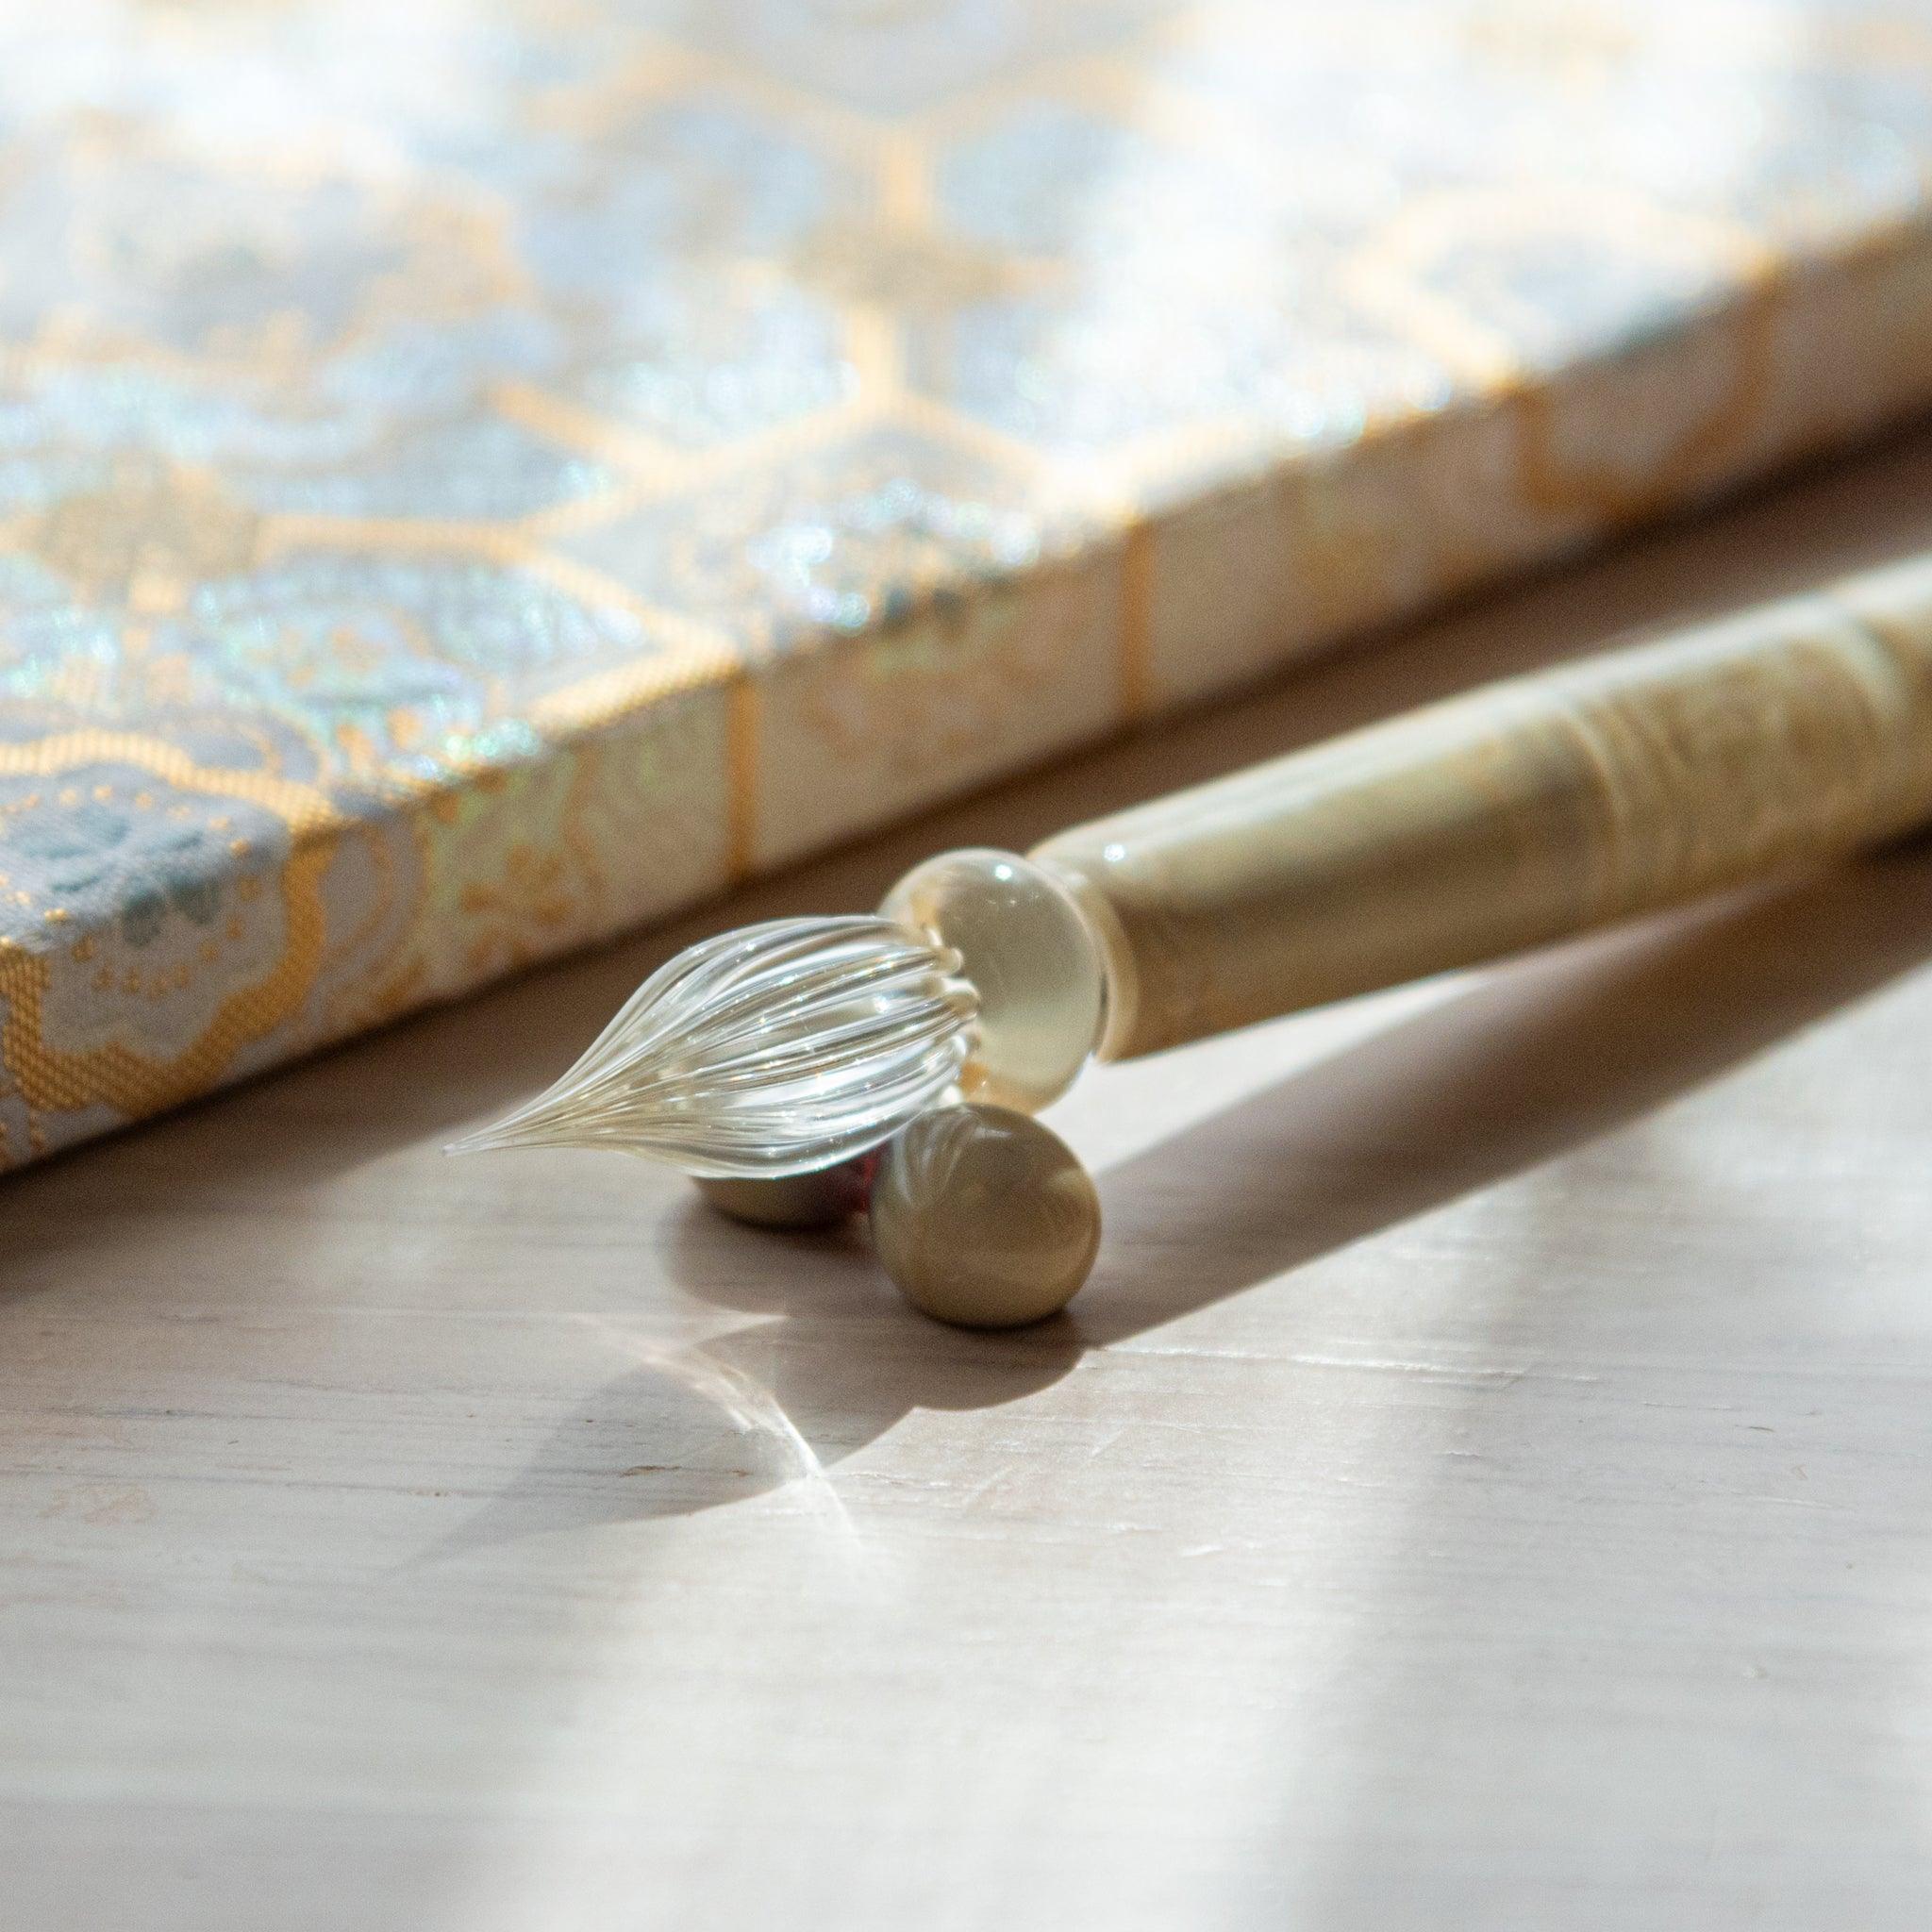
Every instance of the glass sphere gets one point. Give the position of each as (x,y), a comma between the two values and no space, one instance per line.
(1027,954)
(983,1217)
(822,1198)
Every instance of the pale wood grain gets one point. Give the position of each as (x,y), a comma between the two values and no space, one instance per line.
(1485,1484)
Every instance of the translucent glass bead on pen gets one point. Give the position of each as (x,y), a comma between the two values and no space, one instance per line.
(1025,948)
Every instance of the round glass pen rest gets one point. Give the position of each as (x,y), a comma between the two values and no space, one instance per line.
(805,1069)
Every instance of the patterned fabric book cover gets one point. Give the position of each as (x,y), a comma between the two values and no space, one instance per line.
(477,473)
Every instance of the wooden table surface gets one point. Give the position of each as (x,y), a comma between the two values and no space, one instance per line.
(1485,1484)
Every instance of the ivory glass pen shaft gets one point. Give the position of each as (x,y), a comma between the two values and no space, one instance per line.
(1518,814)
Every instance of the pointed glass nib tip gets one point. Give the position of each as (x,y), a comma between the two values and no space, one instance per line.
(767,1051)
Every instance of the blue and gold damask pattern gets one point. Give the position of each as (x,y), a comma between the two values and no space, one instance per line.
(476,474)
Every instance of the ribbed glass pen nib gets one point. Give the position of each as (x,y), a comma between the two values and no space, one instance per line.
(768,1051)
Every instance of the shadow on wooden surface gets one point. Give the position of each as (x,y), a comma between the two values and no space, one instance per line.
(1541,1056)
